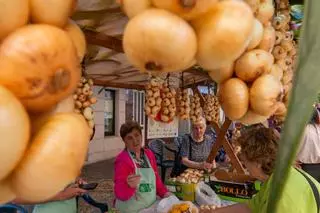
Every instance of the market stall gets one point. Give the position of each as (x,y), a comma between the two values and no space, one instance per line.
(163,47)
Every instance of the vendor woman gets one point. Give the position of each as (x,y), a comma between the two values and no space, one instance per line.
(259,146)
(195,148)
(136,181)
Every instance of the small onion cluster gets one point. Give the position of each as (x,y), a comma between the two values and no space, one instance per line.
(153,97)
(183,104)
(84,99)
(212,108)
(196,109)
(169,109)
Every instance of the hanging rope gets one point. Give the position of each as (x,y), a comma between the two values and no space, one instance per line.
(182,81)
(167,78)
(83,66)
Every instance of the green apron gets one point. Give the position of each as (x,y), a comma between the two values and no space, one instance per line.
(145,194)
(64,206)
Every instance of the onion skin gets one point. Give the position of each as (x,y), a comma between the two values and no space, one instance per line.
(14,132)
(234,98)
(6,192)
(268,39)
(264,94)
(187,9)
(251,118)
(253,64)
(54,158)
(281,109)
(254,4)
(168,43)
(78,38)
(223,34)
(39,119)
(13,15)
(222,74)
(39,64)
(257,35)
(133,7)
(265,11)
(276,71)
(52,12)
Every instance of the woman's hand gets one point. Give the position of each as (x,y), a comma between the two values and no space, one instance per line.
(133,181)
(71,192)
(205,165)
(80,181)
(227,159)
(168,194)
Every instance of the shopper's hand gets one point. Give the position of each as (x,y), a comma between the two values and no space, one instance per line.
(298,164)
(133,181)
(80,181)
(227,159)
(71,192)
(168,194)
(207,166)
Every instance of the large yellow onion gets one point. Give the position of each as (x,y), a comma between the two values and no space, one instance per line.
(256,36)
(222,74)
(6,192)
(268,39)
(187,9)
(223,33)
(253,64)
(39,64)
(53,12)
(264,95)
(265,11)
(251,118)
(254,4)
(54,158)
(281,109)
(234,98)
(14,131)
(157,40)
(77,37)
(13,14)
(39,119)
(134,7)
(276,71)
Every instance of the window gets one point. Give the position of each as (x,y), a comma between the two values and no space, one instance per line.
(109,112)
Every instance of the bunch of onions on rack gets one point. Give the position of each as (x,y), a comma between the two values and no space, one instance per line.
(212,108)
(233,40)
(83,98)
(160,100)
(44,141)
(196,110)
(183,104)
(284,52)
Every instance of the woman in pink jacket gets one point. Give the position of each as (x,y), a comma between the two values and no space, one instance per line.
(137,182)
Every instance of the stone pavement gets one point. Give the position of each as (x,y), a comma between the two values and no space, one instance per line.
(102,173)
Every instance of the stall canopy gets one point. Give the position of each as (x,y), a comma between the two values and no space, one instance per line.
(103,23)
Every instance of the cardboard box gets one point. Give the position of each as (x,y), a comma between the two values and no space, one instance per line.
(183,191)
(237,192)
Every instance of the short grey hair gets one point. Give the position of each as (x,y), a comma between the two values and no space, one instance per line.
(200,120)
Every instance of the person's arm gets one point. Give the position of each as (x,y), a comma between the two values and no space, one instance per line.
(122,170)
(66,194)
(162,190)
(239,208)
(192,164)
